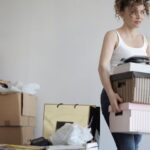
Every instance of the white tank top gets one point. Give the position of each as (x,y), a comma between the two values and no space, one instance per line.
(125,51)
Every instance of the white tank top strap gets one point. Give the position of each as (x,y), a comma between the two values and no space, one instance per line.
(145,41)
(120,41)
(116,32)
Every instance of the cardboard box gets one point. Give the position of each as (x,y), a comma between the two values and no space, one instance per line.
(134,118)
(56,115)
(132,86)
(16,135)
(17,109)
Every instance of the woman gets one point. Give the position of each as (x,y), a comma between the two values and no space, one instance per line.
(122,42)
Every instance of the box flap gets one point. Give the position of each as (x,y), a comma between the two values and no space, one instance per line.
(29,105)
(10,108)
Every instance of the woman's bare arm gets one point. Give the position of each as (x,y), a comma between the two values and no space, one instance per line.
(108,47)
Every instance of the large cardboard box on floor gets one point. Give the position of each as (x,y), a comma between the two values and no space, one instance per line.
(16,135)
(17,109)
(134,118)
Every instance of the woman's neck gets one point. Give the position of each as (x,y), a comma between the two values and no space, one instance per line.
(131,32)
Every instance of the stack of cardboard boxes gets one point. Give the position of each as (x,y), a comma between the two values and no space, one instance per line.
(17,118)
(134,87)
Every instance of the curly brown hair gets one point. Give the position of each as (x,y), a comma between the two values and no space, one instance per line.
(120,5)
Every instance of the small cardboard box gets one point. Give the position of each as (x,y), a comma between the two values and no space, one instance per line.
(134,118)
(17,109)
(132,86)
(16,135)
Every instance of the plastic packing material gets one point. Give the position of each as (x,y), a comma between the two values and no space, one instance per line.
(71,134)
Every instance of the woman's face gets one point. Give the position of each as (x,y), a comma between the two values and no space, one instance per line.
(134,16)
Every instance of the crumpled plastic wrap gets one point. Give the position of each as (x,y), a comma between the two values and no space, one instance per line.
(71,134)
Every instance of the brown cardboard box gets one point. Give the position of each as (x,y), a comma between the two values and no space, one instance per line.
(17,109)
(16,135)
(132,86)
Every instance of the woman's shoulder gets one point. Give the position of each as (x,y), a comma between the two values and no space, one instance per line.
(111,34)
(146,38)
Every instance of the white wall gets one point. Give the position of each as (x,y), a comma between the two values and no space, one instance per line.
(56,43)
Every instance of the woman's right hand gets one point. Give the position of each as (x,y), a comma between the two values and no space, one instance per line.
(115,99)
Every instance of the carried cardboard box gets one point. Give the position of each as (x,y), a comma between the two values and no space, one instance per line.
(132,86)
(134,118)
(16,135)
(17,109)
(136,67)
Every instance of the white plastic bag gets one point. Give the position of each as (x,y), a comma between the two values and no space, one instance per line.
(30,88)
(71,134)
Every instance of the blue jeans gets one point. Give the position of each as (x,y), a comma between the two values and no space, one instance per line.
(123,141)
